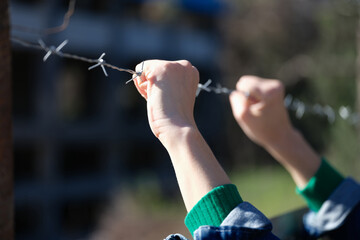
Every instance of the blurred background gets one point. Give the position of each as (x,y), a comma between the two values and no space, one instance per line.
(86,163)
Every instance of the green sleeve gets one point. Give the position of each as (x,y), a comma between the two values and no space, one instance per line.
(320,186)
(213,208)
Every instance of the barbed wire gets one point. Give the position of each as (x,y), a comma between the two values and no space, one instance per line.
(299,107)
(52,50)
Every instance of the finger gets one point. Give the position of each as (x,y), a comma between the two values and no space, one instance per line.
(140,67)
(142,88)
(140,72)
(250,87)
(140,79)
(273,89)
(261,89)
(239,104)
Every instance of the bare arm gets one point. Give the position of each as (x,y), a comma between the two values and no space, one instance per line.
(264,119)
(169,88)
(196,167)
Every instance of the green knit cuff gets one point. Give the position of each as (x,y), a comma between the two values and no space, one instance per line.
(320,186)
(213,208)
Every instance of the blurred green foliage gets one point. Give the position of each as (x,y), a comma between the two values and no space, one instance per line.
(334,79)
(270,189)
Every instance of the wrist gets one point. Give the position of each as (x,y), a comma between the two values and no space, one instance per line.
(176,135)
(283,140)
(296,155)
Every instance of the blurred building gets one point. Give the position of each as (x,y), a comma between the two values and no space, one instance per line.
(78,134)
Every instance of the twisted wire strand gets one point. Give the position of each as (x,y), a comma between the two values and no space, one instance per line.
(53,50)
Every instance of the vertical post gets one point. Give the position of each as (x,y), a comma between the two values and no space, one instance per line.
(357,71)
(6,162)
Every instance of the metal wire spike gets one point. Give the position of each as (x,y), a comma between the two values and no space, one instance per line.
(50,50)
(137,74)
(100,62)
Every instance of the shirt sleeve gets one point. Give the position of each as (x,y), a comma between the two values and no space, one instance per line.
(320,186)
(213,208)
(339,215)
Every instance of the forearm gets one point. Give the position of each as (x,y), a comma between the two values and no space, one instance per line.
(296,155)
(196,167)
(315,178)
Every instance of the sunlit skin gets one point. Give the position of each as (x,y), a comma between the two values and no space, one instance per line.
(265,120)
(170,88)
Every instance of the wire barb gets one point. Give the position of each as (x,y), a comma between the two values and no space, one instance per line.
(217,90)
(204,87)
(137,74)
(327,111)
(50,50)
(57,51)
(100,62)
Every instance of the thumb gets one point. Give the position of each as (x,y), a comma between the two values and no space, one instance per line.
(238,104)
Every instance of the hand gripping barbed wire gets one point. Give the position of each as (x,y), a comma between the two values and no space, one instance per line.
(299,107)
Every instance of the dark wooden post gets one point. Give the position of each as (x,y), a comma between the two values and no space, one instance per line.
(6,161)
(357,71)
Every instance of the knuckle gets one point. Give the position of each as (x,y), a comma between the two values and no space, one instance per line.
(250,78)
(185,63)
(169,67)
(177,65)
(247,80)
(278,87)
(189,68)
